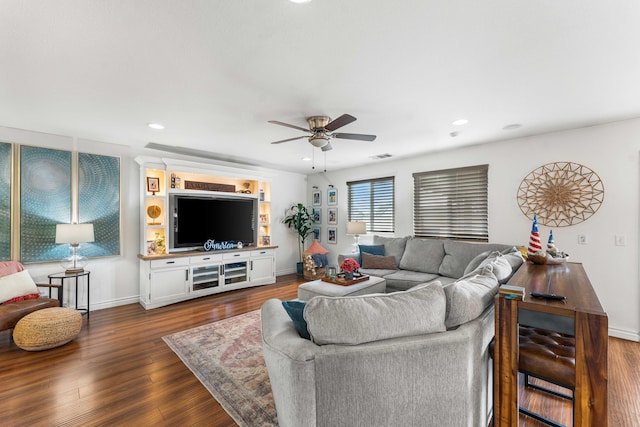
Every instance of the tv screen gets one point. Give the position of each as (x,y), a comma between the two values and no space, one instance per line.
(197,219)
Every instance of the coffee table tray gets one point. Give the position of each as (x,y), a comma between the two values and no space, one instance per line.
(340,280)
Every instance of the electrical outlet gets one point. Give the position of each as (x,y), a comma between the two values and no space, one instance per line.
(621,240)
(582,239)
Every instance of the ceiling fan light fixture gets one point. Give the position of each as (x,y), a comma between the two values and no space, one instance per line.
(319,140)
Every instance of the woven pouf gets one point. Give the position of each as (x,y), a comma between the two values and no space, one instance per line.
(47,328)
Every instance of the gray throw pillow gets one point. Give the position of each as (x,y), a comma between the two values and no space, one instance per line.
(469,296)
(366,318)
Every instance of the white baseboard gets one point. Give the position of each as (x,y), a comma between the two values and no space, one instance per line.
(114,303)
(625,335)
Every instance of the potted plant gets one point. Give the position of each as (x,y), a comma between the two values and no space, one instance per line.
(300,219)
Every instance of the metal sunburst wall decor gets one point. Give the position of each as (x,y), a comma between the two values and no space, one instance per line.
(561,194)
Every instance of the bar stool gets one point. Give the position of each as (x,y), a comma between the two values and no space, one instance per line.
(549,356)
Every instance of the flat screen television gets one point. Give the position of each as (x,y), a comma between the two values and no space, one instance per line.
(195,219)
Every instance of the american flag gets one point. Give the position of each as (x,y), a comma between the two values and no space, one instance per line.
(534,239)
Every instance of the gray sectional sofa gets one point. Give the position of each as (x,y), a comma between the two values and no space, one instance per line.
(424,260)
(414,357)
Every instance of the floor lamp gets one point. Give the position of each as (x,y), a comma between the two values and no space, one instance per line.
(356,229)
(74,234)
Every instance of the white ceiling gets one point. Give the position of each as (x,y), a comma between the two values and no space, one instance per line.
(214,72)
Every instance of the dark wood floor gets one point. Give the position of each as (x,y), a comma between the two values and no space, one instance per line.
(120,372)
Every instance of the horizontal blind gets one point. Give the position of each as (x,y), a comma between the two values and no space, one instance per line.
(452,203)
(373,202)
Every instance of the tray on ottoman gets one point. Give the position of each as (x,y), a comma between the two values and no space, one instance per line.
(342,281)
(370,285)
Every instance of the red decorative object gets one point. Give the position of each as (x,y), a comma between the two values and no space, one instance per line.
(349,265)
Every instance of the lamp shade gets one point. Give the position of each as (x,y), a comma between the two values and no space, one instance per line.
(74,233)
(356,228)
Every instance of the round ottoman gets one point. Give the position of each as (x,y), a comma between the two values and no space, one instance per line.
(47,328)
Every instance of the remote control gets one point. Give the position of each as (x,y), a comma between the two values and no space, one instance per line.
(548,296)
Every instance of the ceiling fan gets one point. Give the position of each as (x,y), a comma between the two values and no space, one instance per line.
(322,130)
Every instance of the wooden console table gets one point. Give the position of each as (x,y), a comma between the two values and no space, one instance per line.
(581,316)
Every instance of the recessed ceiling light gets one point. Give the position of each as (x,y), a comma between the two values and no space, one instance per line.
(156,126)
(512,126)
(460,122)
(299,1)
(306,159)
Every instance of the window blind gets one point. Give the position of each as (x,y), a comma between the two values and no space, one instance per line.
(373,201)
(452,203)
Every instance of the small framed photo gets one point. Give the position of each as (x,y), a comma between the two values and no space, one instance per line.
(264,219)
(332,235)
(153,185)
(316,216)
(317,198)
(332,197)
(317,233)
(332,216)
(266,240)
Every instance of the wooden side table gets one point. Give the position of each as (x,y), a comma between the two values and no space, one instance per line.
(61,277)
(581,316)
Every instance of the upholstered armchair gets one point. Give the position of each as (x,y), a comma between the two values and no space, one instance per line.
(19,295)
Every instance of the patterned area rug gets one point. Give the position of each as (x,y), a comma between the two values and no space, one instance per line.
(226,356)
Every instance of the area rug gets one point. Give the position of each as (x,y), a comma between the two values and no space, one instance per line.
(226,356)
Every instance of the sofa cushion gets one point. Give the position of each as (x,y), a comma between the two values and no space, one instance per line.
(405,279)
(374,317)
(295,310)
(371,249)
(510,257)
(17,285)
(424,255)
(393,246)
(469,296)
(378,261)
(459,254)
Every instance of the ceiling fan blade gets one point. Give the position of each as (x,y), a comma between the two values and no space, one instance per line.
(327,147)
(289,139)
(343,120)
(275,122)
(358,136)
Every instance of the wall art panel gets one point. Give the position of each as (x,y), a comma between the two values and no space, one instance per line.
(45,200)
(5,201)
(99,202)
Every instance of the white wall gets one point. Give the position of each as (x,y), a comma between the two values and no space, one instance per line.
(610,150)
(114,280)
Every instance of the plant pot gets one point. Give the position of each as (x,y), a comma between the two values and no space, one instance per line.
(300,268)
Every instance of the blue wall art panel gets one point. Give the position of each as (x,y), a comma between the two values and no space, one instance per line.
(99,202)
(5,201)
(45,200)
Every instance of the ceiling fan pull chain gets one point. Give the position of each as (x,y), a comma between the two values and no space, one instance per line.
(325,161)
(313,159)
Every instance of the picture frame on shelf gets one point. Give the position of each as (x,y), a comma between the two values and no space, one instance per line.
(266,240)
(316,198)
(332,216)
(153,185)
(332,196)
(317,234)
(332,235)
(316,216)
(264,219)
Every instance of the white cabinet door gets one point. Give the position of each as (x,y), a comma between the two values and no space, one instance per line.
(262,267)
(168,285)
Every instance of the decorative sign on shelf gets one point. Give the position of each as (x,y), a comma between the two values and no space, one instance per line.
(561,194)
(209,186)
(212,245)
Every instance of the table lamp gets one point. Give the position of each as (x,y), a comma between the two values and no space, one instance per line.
(356,228)
(74,234)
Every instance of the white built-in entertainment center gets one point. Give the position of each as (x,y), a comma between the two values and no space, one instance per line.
(186,207)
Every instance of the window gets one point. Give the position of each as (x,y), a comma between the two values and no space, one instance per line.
(372,201)
(451,203)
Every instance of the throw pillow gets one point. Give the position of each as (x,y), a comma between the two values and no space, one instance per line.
(469,296)
(355,320)
(17,285)
(501,267)
(295,310)
(316,248)
(370,249)
(378,261)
